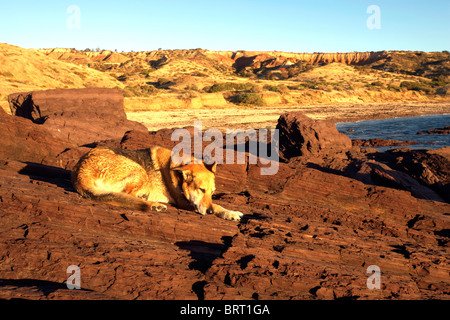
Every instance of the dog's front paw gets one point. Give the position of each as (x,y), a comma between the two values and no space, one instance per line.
(158,207)
(230,215)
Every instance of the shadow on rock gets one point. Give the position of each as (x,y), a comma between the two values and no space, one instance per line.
(57,176)
(204,253)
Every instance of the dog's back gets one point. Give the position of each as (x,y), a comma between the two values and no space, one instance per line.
(119,177)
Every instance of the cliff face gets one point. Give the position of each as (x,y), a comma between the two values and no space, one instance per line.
(106,56)
(227,57)
(250,58)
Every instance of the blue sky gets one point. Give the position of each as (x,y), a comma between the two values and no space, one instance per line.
(283,25)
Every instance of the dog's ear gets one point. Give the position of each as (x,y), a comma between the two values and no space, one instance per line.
(211,167)
(187,173)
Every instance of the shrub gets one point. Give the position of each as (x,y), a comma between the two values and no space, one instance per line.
(230,86)
(409,85)
(249,98)
(377,84)
(218,87)
(312,85)
(271,88)
(122,78)
(147,72)
(139,91)
(192,87)
(417,86)
(256,89)
(269,76)
(163,83)
(393,88)
(199,74)
(279,89)
(439,81)
(246,73)
(298,68)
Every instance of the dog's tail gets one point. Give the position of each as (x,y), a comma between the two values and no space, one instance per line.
(119,199)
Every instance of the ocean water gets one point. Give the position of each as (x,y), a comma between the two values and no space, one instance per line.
(400,129)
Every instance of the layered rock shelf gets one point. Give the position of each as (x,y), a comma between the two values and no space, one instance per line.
(310,231)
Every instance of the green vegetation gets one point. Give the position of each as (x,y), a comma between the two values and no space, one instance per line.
(418,86)
(230,86)
(249,99)
(394,88)
(147,72)
(280,89)
(164,83)
(298,68)
(440,81)
(139,91)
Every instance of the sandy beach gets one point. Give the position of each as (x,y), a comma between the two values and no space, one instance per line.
(262,117)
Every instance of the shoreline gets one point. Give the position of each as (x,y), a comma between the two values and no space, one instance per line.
(397,117)
(263,117)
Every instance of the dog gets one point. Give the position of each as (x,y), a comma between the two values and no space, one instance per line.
(146,179)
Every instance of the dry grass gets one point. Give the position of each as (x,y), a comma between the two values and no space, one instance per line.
(182,79)
(25,70)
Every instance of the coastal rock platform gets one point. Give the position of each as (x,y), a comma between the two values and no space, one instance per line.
(311,231)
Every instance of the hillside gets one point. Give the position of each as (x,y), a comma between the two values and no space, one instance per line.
(197,78)
(25,70)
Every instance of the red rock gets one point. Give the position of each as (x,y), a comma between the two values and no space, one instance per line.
(79,116)
(445,130)
(302,136)
(256,60)
(26,141)
(309,232)
(380,142)
(429,167)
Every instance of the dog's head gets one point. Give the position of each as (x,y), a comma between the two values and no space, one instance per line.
(198,185)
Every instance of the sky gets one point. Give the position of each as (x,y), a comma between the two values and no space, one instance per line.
(282,25)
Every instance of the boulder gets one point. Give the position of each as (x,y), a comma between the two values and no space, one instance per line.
(303,136)
(24,140)
(78,116)
(429,167)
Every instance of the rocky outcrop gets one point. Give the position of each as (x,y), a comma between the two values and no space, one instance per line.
(78,116)
(445,130)
(377,142)
(267,59)
(84,56)
(429,167)
(23,140)
(303,136)
(311,231)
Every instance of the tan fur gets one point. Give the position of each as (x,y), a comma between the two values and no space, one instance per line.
(145,179)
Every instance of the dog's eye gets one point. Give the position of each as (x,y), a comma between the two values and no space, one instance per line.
(202,190)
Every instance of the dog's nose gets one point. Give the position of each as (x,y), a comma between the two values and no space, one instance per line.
(210,210)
